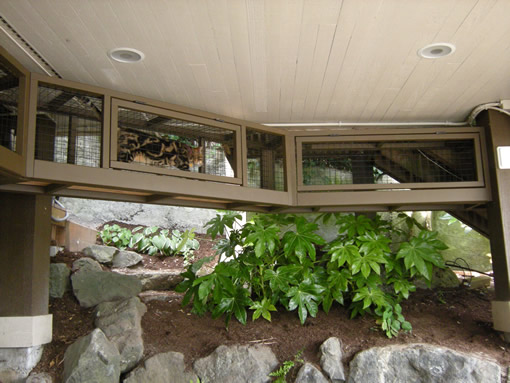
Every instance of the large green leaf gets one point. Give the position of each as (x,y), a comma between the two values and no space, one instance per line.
(352,226)
(344,253)
(281,278)
(217,225)
(374,243)
(263,308)
(419,255)
(302,241)
(305,298)
(263,238)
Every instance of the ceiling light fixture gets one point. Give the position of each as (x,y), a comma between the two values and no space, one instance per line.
(436,50)
(126,55)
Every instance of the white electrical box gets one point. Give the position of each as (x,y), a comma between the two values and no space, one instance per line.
(504,157)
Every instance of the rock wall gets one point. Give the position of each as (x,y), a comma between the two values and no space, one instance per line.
(94,213)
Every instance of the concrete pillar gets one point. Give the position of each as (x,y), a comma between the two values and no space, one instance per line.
(498,134)
(25,237)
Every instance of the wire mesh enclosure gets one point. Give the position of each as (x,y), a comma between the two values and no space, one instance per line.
(69,126)
(9,98)
(266,165)
(165,142)
(389,162)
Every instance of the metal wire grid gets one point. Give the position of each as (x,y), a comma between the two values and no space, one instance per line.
(69,126)
(388,162)
(153,140)
(266,165)
(9,91)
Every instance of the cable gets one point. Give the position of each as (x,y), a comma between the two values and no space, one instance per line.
(57,202)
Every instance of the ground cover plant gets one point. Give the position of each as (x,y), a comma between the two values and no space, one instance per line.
(279,261)
(151,240)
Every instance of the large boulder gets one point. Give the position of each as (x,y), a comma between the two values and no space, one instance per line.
(16,363)
(121,323)
(154,279)
(420,363)
(126,258)
(92,358)
(237,364)
(102,254)
(331,359)
(310,374)
(40,377)
(86,264)
(59,279)
(94,287)
(162,368)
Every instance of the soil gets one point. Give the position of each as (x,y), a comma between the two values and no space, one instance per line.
(459,319)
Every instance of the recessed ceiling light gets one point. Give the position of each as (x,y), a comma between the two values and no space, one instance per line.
(126,55)
(437,50)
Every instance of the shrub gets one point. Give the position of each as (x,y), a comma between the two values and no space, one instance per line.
(280,261)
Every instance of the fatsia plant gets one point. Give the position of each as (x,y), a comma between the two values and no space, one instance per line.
(281,261)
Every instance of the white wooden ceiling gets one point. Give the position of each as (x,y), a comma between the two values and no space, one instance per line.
(280,60)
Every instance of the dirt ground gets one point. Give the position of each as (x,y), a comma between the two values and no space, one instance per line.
(459,319)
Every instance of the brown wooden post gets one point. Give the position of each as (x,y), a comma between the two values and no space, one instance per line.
(24,270)
(498,134)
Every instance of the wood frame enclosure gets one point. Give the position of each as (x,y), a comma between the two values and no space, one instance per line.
(116,180)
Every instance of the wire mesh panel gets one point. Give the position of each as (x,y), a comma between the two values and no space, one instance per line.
(387,162)
(69,126)
(170,143)
(9,98)
(266,165)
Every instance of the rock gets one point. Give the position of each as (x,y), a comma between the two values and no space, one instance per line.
(420,363)
(102,254)
(121,323)
(126,259)
(155,279)
(163,296)
(237,364)
(480,282)
(94,287)
(331,359)
(310,374)
(92,358)
(162,368)
(86,264)
(59,279)
(41,377)
(441,278)
(16,363)
(54,250)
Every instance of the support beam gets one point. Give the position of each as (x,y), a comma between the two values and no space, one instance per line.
(498,134)
(24,270)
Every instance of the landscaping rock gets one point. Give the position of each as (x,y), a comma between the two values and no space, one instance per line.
(54,250)
(441,278)
(102,254)
(310,374)
(155,279)
(121,323)
(86,264)
(92,358)
(59,279)
(41,377)
(331,360)
(16,363)
(94,287)
(126,259)
(162,368)
(237,364)
(420,363)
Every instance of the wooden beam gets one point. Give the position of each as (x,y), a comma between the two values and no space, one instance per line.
(54,188)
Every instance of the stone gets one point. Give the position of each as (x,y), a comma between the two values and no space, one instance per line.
(94,287)
(40,377)
(102,254)
(126,259)
(86,264)
(17,363)
(480,282)
(54,250)
(162,296)
(420,363)
(92,358)
(441,278)
(308,373)
(331,359)
(162,368)
(121,323)
(155,279)
(237,364)
(59,279)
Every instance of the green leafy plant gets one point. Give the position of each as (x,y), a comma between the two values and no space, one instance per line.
(281,373)
(280,261)
(115,235)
